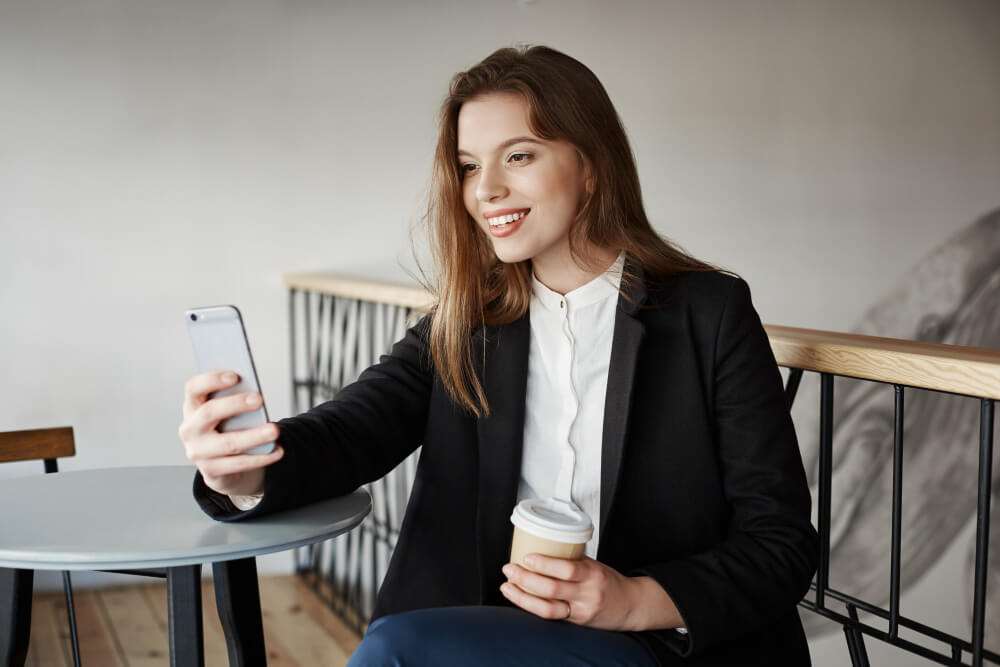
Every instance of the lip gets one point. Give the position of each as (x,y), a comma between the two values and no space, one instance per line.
(509,228)
(503,211)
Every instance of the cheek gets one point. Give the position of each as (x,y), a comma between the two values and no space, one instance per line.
(561,186)
(469,199)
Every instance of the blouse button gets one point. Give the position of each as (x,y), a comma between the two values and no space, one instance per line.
(561,304)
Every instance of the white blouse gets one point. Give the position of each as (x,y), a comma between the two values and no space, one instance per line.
(568,360)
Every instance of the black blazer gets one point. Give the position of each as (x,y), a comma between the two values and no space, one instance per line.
(702,484)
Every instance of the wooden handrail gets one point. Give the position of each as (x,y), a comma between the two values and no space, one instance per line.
(960,370)
(379,291)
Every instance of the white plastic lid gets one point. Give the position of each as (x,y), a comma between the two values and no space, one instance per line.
(553,519)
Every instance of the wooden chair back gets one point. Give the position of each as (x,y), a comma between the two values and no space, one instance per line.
(37,444)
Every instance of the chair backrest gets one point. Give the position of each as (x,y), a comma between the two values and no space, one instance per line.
(46,444)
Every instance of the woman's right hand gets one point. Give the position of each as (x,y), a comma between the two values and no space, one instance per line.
(219,456)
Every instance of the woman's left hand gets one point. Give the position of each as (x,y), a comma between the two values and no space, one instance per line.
(588,592)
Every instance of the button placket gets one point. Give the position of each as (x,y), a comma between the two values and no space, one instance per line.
(571,403)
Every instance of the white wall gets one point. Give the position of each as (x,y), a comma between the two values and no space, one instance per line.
(156,156)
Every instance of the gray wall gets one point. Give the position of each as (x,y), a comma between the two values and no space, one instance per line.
(156,156)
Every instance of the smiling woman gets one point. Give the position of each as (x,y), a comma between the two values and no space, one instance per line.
(573,359)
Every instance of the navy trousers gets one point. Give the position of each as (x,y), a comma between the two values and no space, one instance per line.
(491,637)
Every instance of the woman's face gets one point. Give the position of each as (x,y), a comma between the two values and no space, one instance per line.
(523,191)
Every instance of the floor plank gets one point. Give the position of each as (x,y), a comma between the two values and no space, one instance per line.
(277,654)
(140,640)
(320,612)
(127,626)
(95,636)
(44,649)
(306,640)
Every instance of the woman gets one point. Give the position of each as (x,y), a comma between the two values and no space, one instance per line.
(571,349)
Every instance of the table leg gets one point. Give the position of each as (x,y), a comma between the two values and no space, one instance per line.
(237,597)
(184,610)
(15,615)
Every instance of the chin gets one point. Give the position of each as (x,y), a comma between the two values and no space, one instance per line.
(510,256)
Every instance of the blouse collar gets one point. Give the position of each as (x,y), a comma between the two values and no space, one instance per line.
(602,287)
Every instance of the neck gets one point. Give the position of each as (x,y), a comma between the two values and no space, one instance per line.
(564,274)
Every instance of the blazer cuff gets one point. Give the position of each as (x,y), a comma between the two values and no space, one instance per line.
(682,640)
(220,506)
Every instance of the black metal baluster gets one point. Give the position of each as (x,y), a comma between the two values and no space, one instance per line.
(311,386)
(315,373)
(330,332)
(291,346)
(792,385)
(982,529)
(825,483)
(897,513)
(369,594)
(855,640)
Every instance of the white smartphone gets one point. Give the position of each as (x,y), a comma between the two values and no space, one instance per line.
(220,344)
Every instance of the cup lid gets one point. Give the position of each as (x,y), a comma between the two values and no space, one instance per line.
(553,519)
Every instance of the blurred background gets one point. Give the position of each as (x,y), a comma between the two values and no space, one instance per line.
(157,156)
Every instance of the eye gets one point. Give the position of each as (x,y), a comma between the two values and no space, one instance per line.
(519,157)
(467,168)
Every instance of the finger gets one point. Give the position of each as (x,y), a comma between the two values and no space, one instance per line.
(538,584)
(233,443)
(198,387)
(211,412)
(230,465)
(552,609)
(559,568)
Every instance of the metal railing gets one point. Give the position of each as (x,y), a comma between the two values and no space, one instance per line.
(340,325)
(969,372)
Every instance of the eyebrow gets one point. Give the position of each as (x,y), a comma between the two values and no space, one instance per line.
(507,144)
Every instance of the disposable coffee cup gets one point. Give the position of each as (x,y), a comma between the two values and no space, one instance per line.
(551,527)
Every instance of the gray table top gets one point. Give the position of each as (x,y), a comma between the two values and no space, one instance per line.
(133,518)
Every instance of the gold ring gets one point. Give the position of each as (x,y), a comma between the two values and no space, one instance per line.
(569,610)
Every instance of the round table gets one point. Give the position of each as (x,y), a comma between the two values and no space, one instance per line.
(142,518)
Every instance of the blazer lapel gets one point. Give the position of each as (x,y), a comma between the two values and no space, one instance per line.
(504,374)
(626,340)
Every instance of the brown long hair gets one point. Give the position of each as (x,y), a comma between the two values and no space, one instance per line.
(474,288)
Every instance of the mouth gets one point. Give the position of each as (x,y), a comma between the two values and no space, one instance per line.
(505,223)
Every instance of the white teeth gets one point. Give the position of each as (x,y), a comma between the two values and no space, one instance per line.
(505,219)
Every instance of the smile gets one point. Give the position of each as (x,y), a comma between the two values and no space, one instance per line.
(506,223)
(500,220)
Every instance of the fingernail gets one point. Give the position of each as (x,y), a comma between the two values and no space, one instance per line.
(229,377)
(507,569)
(530,560)
(253,399)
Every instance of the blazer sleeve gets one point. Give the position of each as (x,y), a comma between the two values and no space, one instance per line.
(763,566)
(368,428)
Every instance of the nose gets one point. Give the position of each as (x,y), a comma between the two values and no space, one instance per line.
(491,185)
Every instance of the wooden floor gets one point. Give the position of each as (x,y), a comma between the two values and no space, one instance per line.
(127,627)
